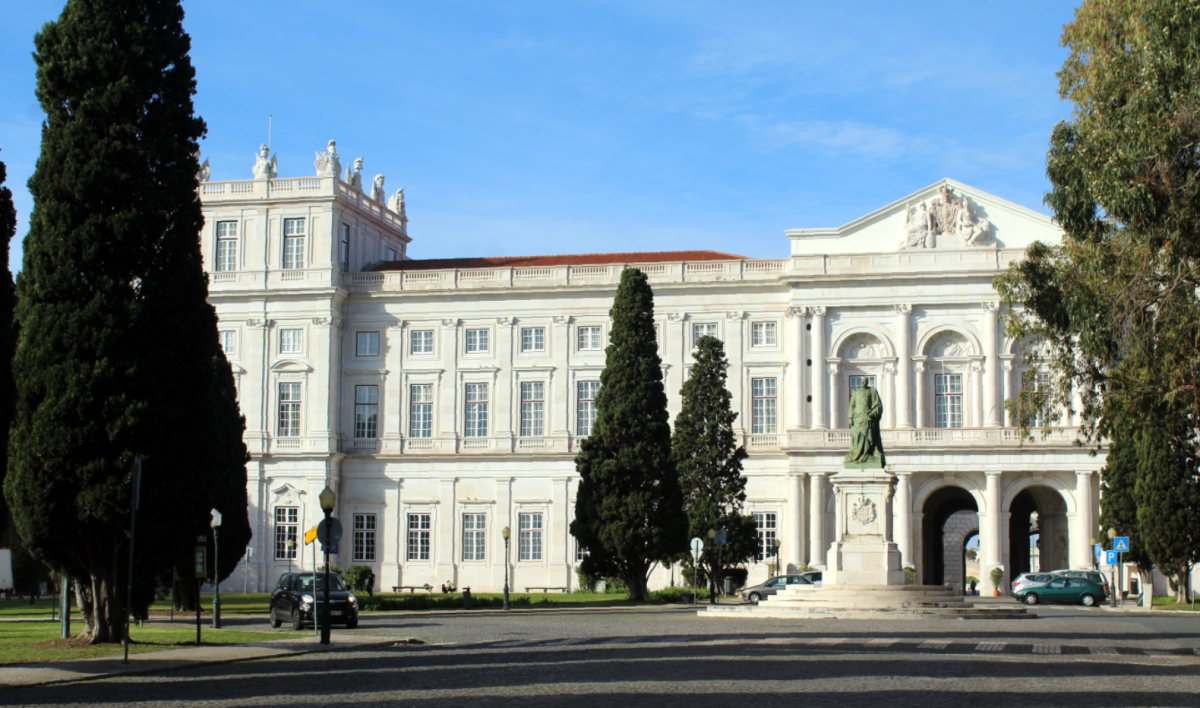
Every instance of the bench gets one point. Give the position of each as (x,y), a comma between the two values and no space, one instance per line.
(412,589)
(546,589)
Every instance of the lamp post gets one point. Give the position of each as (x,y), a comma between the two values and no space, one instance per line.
(778,564)
(506,533)
(216,527)
(328,499)
(712,577)
(1116,589)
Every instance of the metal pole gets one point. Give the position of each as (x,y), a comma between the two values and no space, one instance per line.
(325,609)
(216,623)
(719,568)
(137,485)
(199,584)
(506,574)
(316,614)
(64,617)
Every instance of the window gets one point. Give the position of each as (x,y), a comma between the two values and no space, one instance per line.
(364,537)
(703,329)
(291,341)
(477,341)
(580,552)
(368,344)
(289,409)
(531,537)
(287,522)
(857,382)
(293,244)
(586,409)
(947,398)
(532,405)
(476,411)
(422,341)
(1041,384)
(474,537)
(589,339)
(765,523)
(533,339)
(418,537)
(763,334)
(420,411)
(228,339)
(763,407)
(391,254)
(366,412)
(227,245)
(345,251)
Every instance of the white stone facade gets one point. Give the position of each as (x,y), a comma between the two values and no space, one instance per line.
(321,336)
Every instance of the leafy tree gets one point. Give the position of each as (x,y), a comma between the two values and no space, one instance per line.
(1167,491)
(709,462)
(629,509)
(117,355)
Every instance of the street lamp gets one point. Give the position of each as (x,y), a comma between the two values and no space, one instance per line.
(778,563)
(712,577)
(1114,573)
(216,526)
(506,533)
(328,499)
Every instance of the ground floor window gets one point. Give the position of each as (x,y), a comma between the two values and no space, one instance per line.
(364,538)
(474,537)
(765,523)
(531,537)
(287,521)
(418,537)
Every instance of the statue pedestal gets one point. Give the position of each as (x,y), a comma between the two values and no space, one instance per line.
(862,552)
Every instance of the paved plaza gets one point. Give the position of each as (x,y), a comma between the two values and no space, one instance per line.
(670,657)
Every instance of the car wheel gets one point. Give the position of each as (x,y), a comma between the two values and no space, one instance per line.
(1087,600)
(1031,599)
(352,623)
(275,621)
(754,597)
(297,621)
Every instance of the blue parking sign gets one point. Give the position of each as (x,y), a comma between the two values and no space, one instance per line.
(1121,544)
(1097,550)
(1110,558)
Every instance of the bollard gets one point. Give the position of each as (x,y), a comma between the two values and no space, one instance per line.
(466,598)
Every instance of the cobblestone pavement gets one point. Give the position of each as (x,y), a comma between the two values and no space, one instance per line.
(668,657)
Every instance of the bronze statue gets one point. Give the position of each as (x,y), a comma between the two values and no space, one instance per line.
(866,444)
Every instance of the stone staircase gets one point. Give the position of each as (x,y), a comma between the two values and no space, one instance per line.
(868,602)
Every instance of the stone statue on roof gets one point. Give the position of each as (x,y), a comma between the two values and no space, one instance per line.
(328,164)
(377,192)
(266,165)
(354,175)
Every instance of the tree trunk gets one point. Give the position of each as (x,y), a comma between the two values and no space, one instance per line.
(83,599)
(636,582)
(107,625)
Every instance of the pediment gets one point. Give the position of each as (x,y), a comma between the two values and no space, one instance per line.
(947,215)
(291,365)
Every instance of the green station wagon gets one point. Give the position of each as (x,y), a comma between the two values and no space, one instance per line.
(1070,590)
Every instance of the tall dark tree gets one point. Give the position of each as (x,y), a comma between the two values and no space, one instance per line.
(1167,490)
(709,462)
(8,296)
(629,509)
(117,355)
(1118,482)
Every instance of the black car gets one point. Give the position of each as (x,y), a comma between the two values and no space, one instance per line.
(295,598)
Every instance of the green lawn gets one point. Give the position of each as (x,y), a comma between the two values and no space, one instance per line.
(42,608)
(23,642)
(1162,602)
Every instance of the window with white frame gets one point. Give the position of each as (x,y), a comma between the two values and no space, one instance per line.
(762,334)
(1041,384)
(291,341)
(367,344)
(586,407)
(764,405)
(533,401)
(293,244)
(227,245)
(418,537)
(947,399)
(287,523)
(366,412)
(533,339)
(228,338)
(345,248)
(476,410)
(364,538)
(703,329)
(765,523)
(580,552)
(590,339)
(422,341)
(530,542)
(289,409)
(857,382)
(420,411)
(477,341)
(474,537)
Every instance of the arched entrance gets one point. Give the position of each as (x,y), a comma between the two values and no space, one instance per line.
(1037,513)
(939,507)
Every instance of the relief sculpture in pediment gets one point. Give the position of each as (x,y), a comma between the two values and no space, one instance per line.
(946,215)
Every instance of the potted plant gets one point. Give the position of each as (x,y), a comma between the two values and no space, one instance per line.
(997,577)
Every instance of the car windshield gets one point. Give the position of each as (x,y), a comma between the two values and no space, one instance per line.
(304,583)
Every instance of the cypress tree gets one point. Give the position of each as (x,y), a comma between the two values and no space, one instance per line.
(117,356)
(709,462)
(1166,490)
(1118,494)
(8,296)
(629,508)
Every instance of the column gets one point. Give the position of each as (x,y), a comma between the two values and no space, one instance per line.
(835,396)
(919,397)
(390,432)
(676,350)
(820,405)
(794,543)
(1007,387)
(558,398)
(736,382)
(991,366)
(446,411)
(559,530)
(1085,524)
(816,520)
(889,392)
(904,417)
(902,517)
(794,397)
(977,394)
(502,519)
(501,409)
(444,542)
(991,530)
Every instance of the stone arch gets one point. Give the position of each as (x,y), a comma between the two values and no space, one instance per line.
(887,350)
(937,508)
(921,494)
(1052,509)
(1066,491)
(927,337)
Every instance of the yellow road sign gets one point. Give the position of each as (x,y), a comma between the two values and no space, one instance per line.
(310,535)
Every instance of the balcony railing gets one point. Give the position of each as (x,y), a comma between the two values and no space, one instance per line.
(927,437)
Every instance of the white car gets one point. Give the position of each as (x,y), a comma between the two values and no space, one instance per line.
(1025,581)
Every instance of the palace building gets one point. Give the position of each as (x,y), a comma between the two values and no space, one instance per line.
(444,400)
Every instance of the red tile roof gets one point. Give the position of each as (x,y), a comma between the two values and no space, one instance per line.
(580,259)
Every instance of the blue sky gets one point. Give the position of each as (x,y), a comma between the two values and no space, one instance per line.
(582,126)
